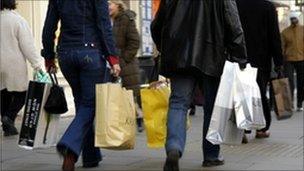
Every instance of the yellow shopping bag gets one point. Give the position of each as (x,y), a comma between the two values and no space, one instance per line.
(155,104)
(115,117)
(155,108)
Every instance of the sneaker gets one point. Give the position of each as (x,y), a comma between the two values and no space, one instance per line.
(262,134)
(212,163)
(172,161)
(300,109)
(91,164)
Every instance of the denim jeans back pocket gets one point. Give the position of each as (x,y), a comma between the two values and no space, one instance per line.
(91,59)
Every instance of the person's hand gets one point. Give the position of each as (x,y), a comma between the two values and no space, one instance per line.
(279,70)
(242,66)
(116,70)
(50,66)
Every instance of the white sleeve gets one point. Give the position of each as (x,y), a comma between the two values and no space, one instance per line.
(26,44)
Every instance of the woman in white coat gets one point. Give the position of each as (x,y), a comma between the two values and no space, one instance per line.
(17,47)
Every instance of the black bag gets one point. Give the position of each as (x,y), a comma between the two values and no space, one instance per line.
(56,102)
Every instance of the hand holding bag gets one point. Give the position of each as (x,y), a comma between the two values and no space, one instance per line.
(115,118)
(56,102)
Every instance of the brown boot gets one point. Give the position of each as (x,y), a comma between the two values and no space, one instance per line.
(69,162)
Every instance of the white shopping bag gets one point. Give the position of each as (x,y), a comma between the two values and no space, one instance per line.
(247,100)
(223,127)
(39,129)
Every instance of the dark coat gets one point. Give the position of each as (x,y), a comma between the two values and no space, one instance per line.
(127,42)
(260,23)
(198,35)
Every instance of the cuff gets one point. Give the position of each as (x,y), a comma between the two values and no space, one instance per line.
(113,60)
(47,54)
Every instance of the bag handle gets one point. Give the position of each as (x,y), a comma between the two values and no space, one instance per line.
(53,78)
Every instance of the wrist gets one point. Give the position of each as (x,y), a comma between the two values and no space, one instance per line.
(113,60)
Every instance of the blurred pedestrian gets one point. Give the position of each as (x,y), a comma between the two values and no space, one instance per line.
(293,50)
(86,52)
(260,23)
(17,47)
(127,42)
(195,38)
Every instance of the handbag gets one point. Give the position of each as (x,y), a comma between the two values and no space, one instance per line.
(56,102)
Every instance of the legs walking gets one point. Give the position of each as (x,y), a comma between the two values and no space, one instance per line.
(11,104)
(210,151)
(262,80)
(83,69)
(299,66)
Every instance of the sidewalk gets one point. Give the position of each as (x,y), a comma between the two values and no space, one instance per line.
(282,151)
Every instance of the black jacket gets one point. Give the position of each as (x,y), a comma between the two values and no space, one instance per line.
(260,23)
(196,36)
(82,22)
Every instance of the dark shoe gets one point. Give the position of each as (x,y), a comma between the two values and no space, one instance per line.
(90,165)
(8,127)
(139,122)
(172,161)
(245,139)
(211,163)
(262,134)
(192,111)
(69,162)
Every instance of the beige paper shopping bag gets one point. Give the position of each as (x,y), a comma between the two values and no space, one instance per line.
(115,117)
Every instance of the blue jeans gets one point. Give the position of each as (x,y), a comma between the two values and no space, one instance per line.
(183,88)
(83,68)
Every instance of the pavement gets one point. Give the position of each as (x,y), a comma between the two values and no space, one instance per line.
(282,151)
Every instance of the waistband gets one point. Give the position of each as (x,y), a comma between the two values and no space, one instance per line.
(78,45)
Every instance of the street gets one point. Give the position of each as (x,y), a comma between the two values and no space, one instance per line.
(282,151)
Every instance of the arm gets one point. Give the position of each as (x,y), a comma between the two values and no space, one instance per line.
(132,42)
(235,40)
(49,29)
(26,44)
(105,30)
(284,43)
(157,24)
(274,36)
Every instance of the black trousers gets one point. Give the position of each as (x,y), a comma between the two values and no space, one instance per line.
(298,67)
(11,104)
(263,79)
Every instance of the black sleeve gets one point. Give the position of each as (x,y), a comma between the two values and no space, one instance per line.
(275,45)
(49,29)
(157,25)
(235,39)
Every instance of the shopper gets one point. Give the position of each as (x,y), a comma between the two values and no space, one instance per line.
(17,47)
(127,42)
(195,38)
(85,51)
(293,50)
(261,28)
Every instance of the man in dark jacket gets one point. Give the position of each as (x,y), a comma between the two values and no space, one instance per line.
(260,23)
(195,38)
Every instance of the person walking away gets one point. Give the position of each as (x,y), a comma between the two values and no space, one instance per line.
(260,24)
(17,47)
(195,38)
(127,42)
(86,52)
(293,50)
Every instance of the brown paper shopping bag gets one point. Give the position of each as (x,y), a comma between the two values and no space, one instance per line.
(115,117)
(283,100)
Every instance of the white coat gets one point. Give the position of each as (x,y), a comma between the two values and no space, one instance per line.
(17,47)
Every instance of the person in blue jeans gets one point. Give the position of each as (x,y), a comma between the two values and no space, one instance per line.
(195,38)
(86,54)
